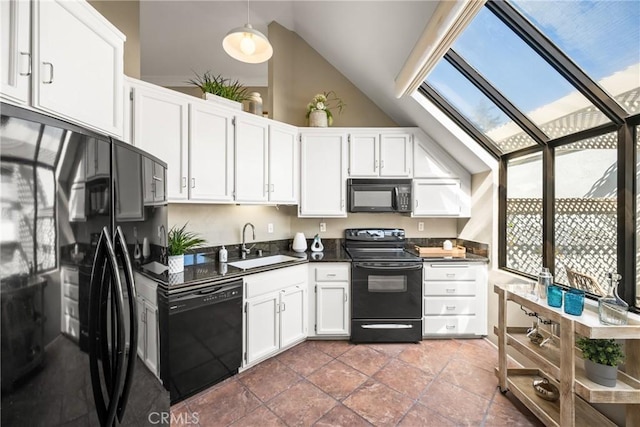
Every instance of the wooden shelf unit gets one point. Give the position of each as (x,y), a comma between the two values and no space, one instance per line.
(564,365)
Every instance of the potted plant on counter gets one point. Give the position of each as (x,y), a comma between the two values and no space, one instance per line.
(220,89)
(180,241)
(601,359)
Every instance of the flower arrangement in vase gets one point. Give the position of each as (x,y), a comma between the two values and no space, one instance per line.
(319,109)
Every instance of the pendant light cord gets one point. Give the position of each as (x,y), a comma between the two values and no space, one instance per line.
(247,11)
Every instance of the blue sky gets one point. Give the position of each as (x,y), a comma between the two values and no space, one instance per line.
(602,37)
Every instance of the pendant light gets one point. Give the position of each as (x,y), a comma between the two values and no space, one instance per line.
(247,44)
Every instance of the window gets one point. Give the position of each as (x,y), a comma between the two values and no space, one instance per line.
(478,109)
(601,37)
(31,244)
(555,87)
(637,216)
(586,223)
(524,214)
(520,74)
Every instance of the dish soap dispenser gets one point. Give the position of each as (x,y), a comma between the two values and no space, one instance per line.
(136,251)
(317,245)
(222,255)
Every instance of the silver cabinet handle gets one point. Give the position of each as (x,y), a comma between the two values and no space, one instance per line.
(184,181)
(28,55)
(451,274)
(331,275)
(451,307)
(451,326)
(345,297)
(375,164)
(155,178)
(283,307)
(342,203)
(51,75)
(381,164)
(416,203)
(193,183)
(451,291)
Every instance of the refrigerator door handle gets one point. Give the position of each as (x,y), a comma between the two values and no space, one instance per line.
(121,249)
(104,278)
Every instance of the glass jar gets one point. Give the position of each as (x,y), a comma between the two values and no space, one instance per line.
(545,279)
(255,103)
(612,309)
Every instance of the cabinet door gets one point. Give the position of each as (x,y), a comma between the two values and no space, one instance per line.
(395,154)
(263,326)
(436,197)
(97,159)
(160,128)
(15,45)
(141,327)
(79,73)
(364,159)
(210,154)
(251,160)
(77,203)
(159,181)
(151,337)
(322,175)
(293,314)
(283,162)
(128,184)
(332,308)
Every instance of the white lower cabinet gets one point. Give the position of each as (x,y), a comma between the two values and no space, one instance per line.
(275,312)
(455,299)
(148,329)
(329,303)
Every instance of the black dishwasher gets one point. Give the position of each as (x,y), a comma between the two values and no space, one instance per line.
(205,337)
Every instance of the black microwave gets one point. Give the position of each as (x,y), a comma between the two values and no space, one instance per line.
(379,195)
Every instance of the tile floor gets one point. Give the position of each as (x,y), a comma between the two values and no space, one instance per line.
(336,383)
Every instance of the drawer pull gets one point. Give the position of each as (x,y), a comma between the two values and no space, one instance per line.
(451,307)
(451,291)
(451,274)
(331,275)
(451,326)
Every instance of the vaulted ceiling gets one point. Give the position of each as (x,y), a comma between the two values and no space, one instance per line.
(367,41)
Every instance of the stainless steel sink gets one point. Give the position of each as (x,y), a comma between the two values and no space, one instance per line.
(246,264)
(155,267)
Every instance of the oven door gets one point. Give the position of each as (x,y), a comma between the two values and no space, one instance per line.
(386,290)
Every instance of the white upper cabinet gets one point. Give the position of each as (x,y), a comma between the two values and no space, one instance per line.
(266,167)
(437,197)
(364,158)
(396,151)
(384,153)
(78,64)
(159,120)
(210,153)
(252,156)
(283,163)
(66,59)
(15,45)
(322,174)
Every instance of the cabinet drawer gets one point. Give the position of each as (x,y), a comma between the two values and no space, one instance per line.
(70,308)
(71,326)
(146,288)
(449,306)
(71,291)
(449,273)
(69,275)
(450,325)
(332,274)
(276,280)
(450,288)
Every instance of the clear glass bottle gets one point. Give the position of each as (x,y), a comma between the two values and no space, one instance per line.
(612,309)
(545,279)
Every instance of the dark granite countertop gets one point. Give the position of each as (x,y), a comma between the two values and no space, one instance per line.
(203,268)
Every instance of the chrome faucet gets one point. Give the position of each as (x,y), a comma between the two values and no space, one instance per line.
(163,248)
(244,251)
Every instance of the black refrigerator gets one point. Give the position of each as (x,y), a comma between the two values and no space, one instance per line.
(80,212)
